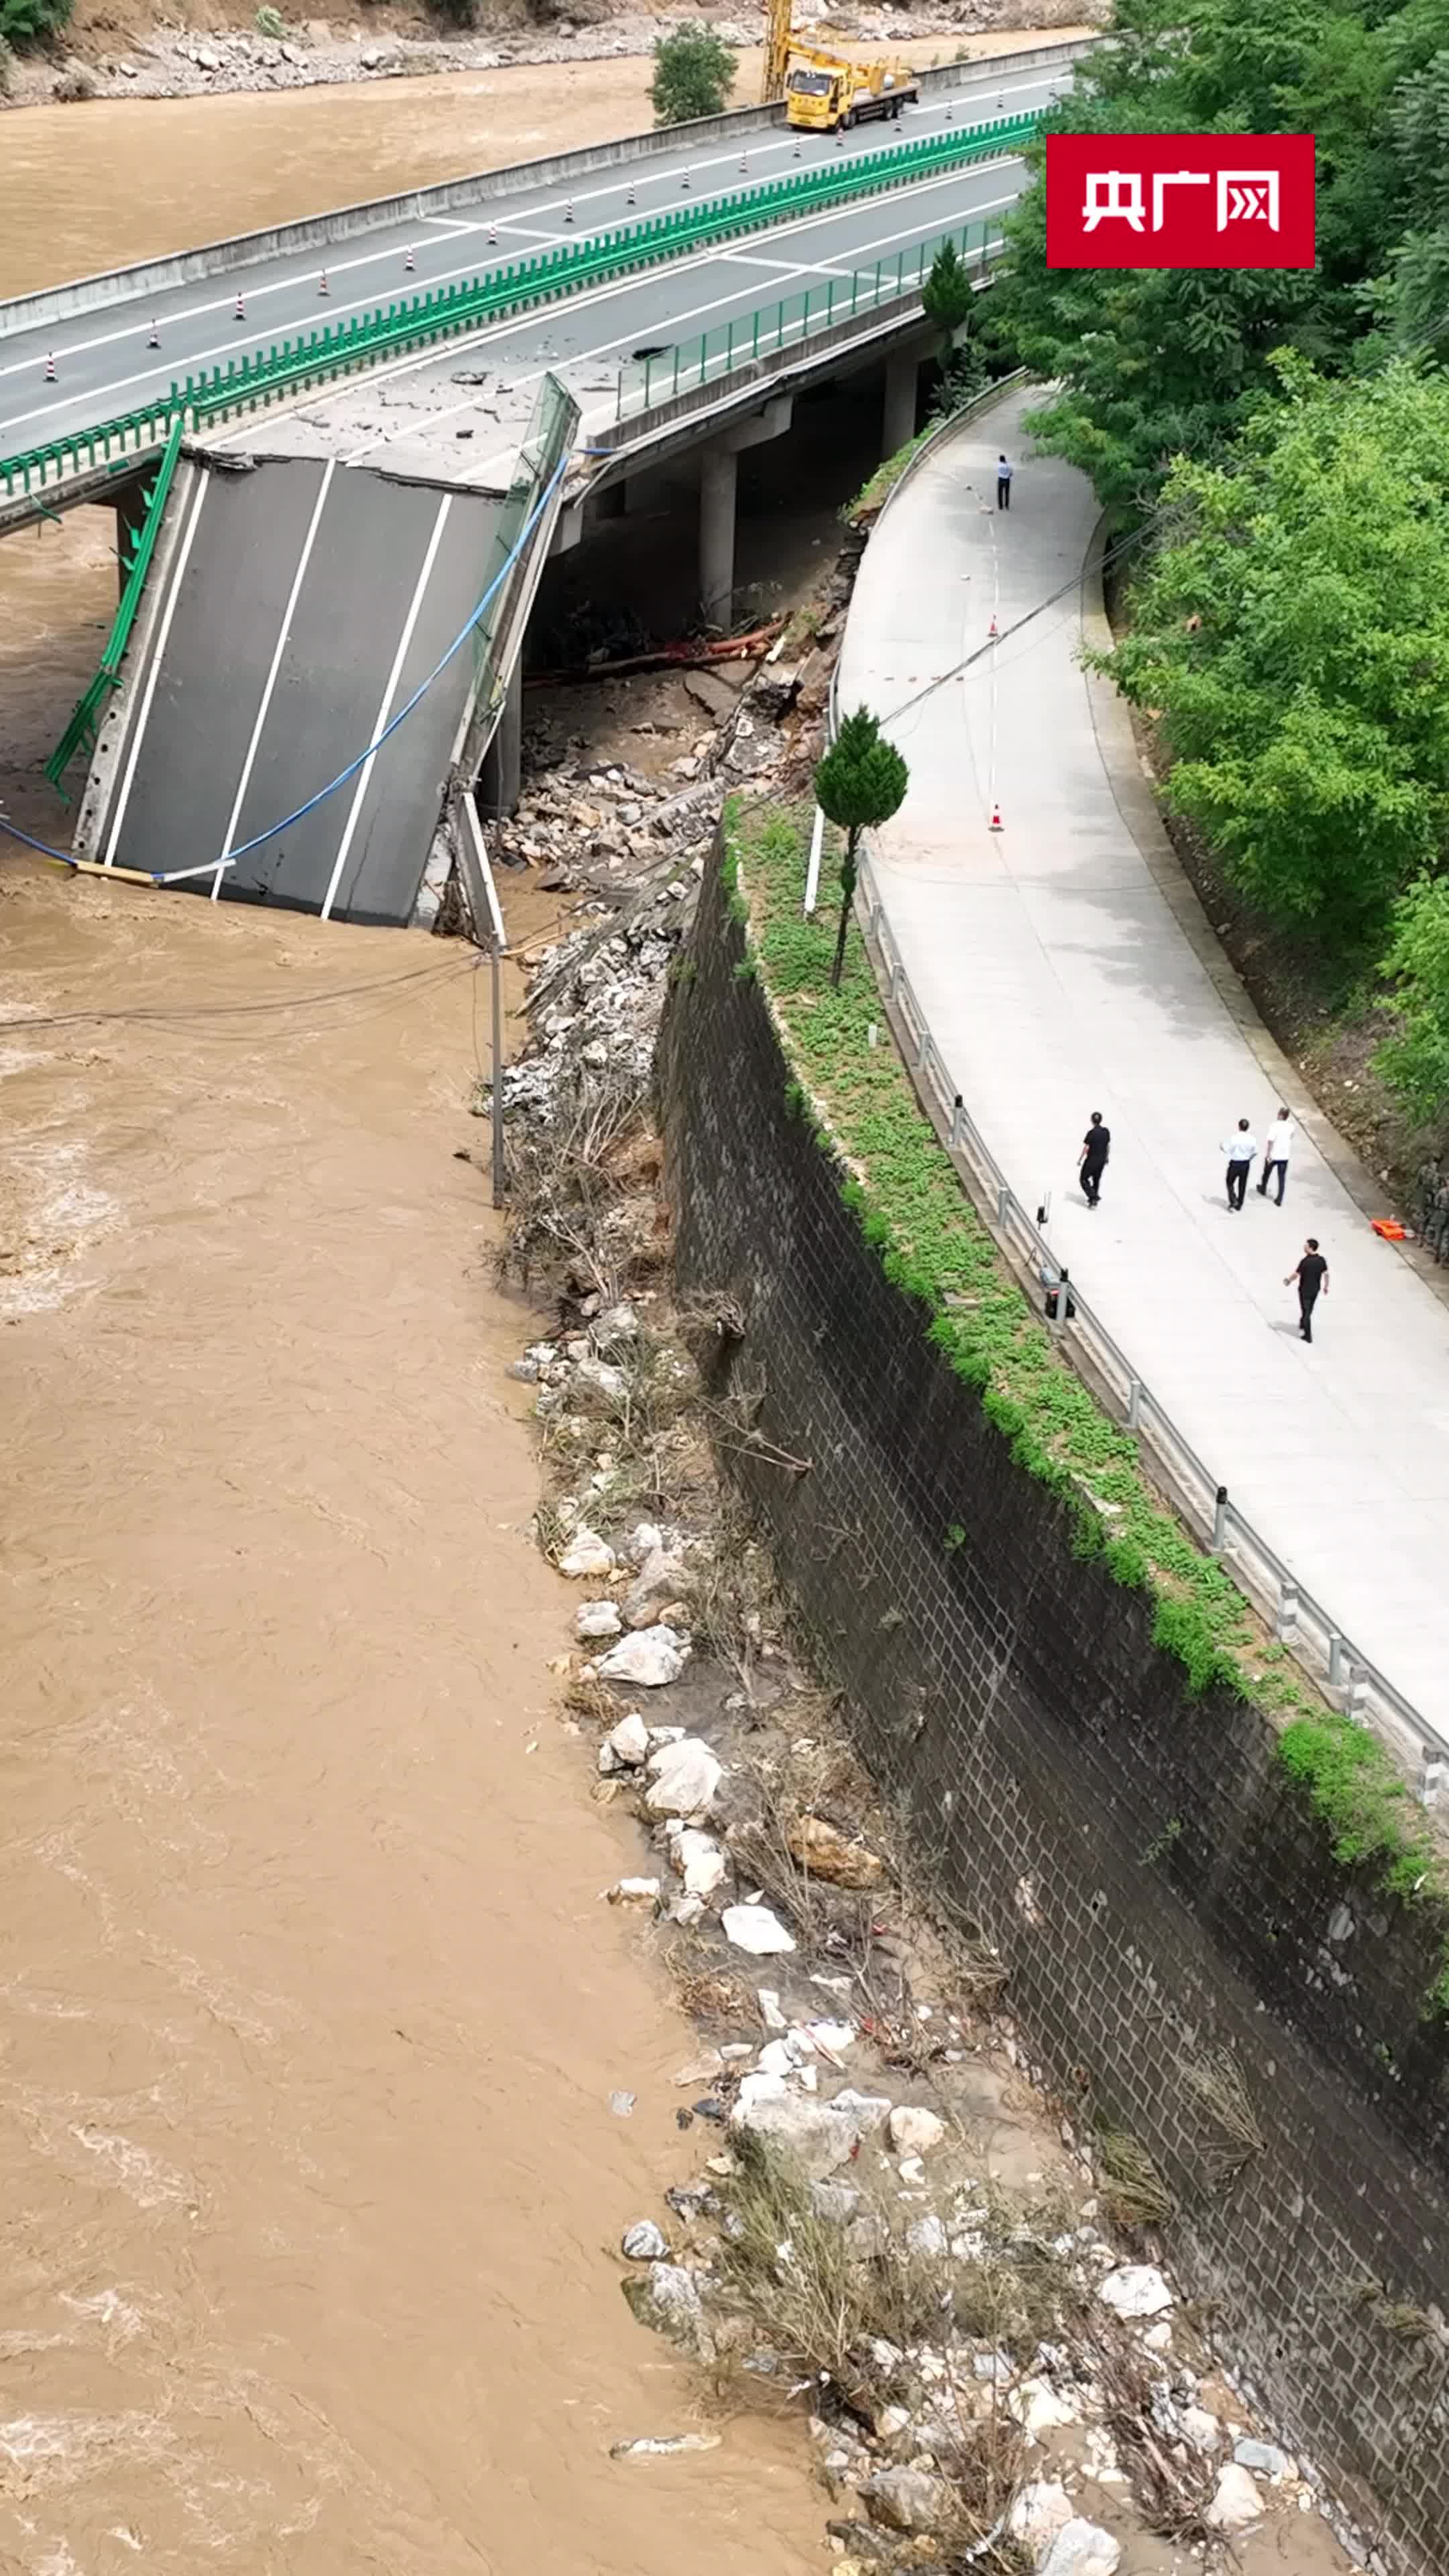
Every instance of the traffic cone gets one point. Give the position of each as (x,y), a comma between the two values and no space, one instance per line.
(991,630)
(240,308)
(744,161)
(996,822)
(155,340)
(493,236)
(322,286)
(686,182)
(410,262)
(569,212)
(795,155)
(630,199)
(50,369)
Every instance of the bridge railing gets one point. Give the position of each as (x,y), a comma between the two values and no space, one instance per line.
(793,319)
(244,384)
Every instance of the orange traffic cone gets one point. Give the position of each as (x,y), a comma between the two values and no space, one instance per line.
(50,369)
(410,262)
(241,310)
(155,340)
(322,286)
(991,630)
(996,822)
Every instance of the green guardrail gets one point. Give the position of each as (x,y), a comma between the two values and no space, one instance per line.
(243,384)
(80,734)
(761,334)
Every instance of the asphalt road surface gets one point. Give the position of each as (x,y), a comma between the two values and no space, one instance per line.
(300,609)
(104,366)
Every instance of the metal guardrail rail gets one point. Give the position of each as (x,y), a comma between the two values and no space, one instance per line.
(794,319)
(245,383)
(1299,1621)
(80,734)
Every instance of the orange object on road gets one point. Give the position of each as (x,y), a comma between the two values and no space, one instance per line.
(1389,1228)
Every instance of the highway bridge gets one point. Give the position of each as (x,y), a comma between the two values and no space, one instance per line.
(444,391)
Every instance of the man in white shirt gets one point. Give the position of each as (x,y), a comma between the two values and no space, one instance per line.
(1240,1150)
(1277,1146)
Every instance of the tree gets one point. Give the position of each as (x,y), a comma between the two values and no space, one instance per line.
(948,294)
(1419,302)
(31,22)
(1415,1062)
(861,781)
(694,72)
(1292,635)
(1150,363)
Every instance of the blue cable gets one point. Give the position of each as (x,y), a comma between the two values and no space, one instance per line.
(66,857)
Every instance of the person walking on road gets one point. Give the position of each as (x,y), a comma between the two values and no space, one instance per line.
(1312,1278)
(1003,484)
(1096,1146)
(1240,1150)
(1277,1146)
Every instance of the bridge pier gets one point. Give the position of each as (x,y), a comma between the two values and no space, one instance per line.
(718,477)
(503,760)
(902,387)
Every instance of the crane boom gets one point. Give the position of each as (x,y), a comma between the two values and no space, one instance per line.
(777,51)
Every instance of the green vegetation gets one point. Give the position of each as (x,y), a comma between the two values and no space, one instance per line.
(861,781)
(909,1203)
(24,23)
(694,72)
(948,294)
(1156,362)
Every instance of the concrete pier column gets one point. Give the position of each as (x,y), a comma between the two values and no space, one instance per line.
(902,379)
(718,474)
(503,760)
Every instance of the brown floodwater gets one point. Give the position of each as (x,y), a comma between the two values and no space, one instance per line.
(310,2009)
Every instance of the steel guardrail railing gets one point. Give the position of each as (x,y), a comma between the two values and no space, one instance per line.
(730,346)
(244,383)
(1299,1621)
(81,732)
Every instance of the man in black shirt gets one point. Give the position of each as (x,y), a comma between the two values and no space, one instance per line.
(1312,1277)
(1096,1146)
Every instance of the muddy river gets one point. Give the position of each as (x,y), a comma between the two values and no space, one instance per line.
(310,2010)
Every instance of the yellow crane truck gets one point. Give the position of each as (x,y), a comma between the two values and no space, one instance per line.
(828,94)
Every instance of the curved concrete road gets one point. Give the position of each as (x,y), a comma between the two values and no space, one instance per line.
(1063,966)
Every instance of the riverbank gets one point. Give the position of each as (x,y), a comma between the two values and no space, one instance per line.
(113,49)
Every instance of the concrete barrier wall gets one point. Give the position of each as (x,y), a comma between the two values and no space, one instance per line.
(115,286)
(1157,1886)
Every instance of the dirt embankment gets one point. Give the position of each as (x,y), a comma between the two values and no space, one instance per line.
(205,48)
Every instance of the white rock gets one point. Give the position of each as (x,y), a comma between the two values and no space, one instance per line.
(926,2237)
(659,1579)
(1136,2290)
(683,1778)
(906,2499)
(1039,2512)
(667,2296)
(687,1909)
(596,1383)
(643,1541)
(651,1657)
(1081,2549)
(1040,2408)
(586,1554)
(770,2013)
(915,2132)
(629,1740)
(1158,2338)
(1236,2502)
(1201,2429)
(644,2243)
(597,1619)
(634,1891)
(699,1861)
(1266,2458)
(756,1929)
(817,2135)
(616,1324)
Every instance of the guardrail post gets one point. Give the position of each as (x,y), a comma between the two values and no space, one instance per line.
(957,1106)
(923,1050)
(1336,1650)
(1285,1618)
(1003,1206)
(1220,1521)
(1134,1404)
(1433,1772)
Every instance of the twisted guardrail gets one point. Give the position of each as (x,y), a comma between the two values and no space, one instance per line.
(244,384)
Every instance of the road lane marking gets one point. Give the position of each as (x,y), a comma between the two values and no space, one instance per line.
(283,631)
(183,552)
(364,776)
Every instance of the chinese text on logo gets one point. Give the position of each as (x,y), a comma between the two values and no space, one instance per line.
(1180,201)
